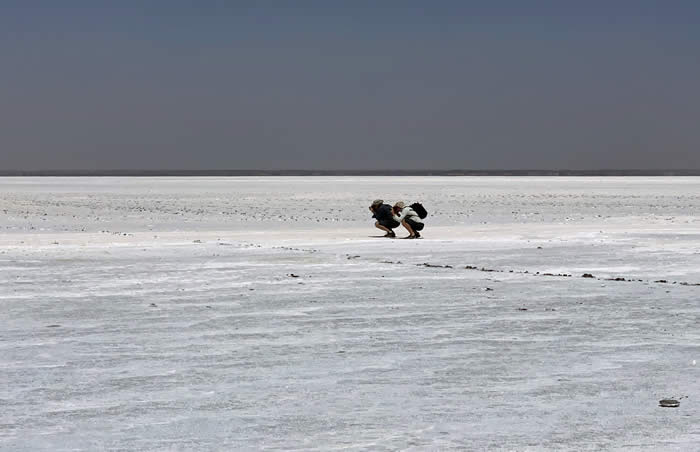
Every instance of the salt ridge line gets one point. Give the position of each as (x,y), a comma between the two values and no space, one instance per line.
(526,272)
(562,275)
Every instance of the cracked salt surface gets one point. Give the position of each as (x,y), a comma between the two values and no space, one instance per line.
(136,316)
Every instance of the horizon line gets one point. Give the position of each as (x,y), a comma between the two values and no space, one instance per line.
(351,172)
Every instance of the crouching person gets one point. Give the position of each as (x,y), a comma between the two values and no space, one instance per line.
(409,219)
(384,216)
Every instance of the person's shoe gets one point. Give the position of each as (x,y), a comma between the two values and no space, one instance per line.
(391,235)
(417,234)
(410,237)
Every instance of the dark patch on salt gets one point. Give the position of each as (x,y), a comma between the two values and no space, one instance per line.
(669,403)
(433,265)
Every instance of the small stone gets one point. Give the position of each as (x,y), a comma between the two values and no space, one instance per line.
(153,305)
(669,403)
(53,326)
(587,275)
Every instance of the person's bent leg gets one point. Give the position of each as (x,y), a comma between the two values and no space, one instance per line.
(405,224)
(417,227)
(382,227)
(389,232)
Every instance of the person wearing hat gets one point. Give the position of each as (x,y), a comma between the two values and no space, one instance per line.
(409,219)
(384,216)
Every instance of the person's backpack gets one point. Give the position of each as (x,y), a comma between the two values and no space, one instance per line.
(420,210)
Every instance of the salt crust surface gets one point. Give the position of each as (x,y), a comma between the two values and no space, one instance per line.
(251,313)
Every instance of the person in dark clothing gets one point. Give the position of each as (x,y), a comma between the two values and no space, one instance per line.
(384,216)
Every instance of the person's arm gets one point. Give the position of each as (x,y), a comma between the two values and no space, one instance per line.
(401,215)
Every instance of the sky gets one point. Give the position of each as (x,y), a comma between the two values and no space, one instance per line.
(510,84)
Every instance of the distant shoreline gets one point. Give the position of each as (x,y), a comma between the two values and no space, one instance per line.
(242,173)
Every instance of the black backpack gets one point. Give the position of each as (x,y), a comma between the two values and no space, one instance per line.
(420,210)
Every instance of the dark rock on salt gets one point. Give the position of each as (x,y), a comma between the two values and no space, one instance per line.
(587,275)
(669,403)
(434,265)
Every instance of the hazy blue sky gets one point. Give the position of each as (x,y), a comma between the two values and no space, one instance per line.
(330,84)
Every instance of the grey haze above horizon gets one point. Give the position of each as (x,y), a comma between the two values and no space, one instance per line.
(349,85)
